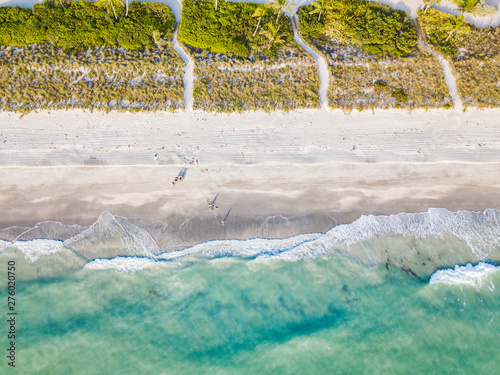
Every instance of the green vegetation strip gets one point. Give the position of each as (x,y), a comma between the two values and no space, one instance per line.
(474,54)
(226,84)
(42,77)
(246,58)
(78,55)
(377,28)
(79,25)
(233,29)
(373,56)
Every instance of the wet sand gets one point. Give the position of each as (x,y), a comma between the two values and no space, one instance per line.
(77,195)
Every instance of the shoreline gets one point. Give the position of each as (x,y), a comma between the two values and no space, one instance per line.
(78,195)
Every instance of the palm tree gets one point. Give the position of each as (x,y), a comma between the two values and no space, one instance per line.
(320,7)
(280,6)
(260,12)
(452,27)
(273,35)
(51,2)
(216,5)
(110,4)
(467,6)
(429,3)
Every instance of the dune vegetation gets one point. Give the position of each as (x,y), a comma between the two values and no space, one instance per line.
(473,52)
(42,77)
(78,55)
(246,58)
(373,55)
(110,55)
(287,82)
(79,25)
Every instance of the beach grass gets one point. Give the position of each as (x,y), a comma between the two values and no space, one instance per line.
(77,55)
(41,76)
(368,73)
(225,84)
(474,54)
(238,67)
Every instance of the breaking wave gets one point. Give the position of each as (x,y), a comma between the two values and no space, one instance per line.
(465,275)
(33,249)
(479,230)
(121,264)
(419,243)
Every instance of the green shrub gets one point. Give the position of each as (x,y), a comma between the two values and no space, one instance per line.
(479,43)
(473,52)
(400,95)
(309,25)
(380,84)
(378,28)
(229,30)
(80,25)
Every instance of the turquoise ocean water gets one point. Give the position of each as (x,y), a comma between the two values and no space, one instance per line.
(401,294)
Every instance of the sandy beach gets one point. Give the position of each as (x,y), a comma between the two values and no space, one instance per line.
(71,166)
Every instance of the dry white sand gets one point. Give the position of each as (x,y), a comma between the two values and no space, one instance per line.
(71,166)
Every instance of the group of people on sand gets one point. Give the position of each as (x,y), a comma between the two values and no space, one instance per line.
(180,176)
(177,179)
(211,203)
(212,206)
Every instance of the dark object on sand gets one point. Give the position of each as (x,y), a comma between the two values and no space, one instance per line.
(224,221)
(211,204)
(180,176)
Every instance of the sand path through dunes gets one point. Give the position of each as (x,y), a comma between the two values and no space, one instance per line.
(188,78)
(449,78)
(324,74)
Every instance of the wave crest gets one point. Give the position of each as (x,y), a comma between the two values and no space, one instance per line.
(121,264)
(450,238)
(464,275)
(33,249)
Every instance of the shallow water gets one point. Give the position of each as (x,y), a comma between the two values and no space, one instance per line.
(339,302)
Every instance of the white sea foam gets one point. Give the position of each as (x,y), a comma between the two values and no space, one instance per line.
(5,245)
(33,249)
(479,230)
(114,236)
(121,264)
(464,275)
(242,248)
